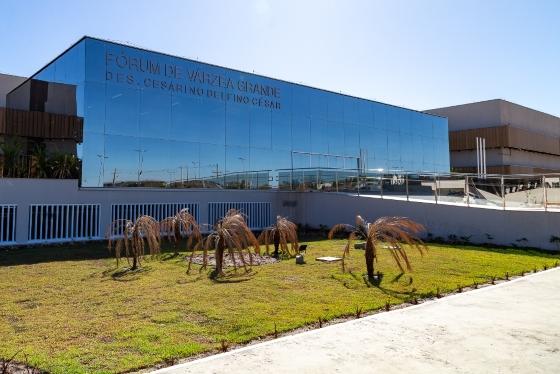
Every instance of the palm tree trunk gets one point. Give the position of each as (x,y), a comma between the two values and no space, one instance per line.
(276,244)
(219,257)
(369,253)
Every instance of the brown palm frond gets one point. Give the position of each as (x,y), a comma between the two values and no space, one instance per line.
(346,249)
(181,225)
(231,234)
(133,237)
(283,235)
(394,232)
(341,227)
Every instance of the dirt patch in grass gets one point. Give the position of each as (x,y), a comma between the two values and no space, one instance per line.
(11,365)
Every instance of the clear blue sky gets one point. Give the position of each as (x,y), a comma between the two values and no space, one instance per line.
(418,54)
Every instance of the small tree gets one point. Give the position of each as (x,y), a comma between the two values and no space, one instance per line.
(64,166)
(283,234)
(130,238)
(230,233)
(393,231)
(39,162)
(183,224)
(11,151)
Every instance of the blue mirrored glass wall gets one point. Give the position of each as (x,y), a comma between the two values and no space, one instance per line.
(156,120)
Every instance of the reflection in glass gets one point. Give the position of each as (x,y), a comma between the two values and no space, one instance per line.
(162,121)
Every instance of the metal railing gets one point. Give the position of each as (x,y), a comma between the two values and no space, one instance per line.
(516,192)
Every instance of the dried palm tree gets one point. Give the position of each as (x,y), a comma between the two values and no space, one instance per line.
(183,224)
(283,234)
(230,233)
(135,236)
(395,232)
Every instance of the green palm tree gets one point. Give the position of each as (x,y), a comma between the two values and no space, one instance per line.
(64,166)
(39,162)
(11,154)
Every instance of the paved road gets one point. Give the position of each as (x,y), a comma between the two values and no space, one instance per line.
(513,327)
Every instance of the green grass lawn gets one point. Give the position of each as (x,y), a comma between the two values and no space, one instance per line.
(69,309)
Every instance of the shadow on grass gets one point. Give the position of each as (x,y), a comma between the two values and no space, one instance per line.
(172,256)
(96,250)
(233,277)
(53,253)
(397,278)
(126,274)
(378,282)
(403,295)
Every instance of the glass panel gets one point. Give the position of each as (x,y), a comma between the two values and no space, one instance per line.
(122,104)
(524,192)
(394,148)
(154,163)
(261,129)
(281,132)
(318,104)
(419,186)
(452,189)
(319,136)
(336,107)
(95,108)
(124,160)
(187,122)
(238,125)
(155,114)
(351,140)
(212,165)
(485,192)
(94,162)
(183,163)
(301,134)
(552,190)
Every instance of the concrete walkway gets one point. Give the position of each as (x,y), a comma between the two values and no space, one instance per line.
(513,327)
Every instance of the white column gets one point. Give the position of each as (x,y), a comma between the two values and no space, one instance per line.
(477,156)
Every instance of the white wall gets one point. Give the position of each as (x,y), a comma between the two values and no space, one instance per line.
(8,83)
(440,220)
(24,192)
(313,208)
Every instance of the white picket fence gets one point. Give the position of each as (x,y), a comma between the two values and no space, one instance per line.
(8,224)
(257,213)
(63,222)
(54,223)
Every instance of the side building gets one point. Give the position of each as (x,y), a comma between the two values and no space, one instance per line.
(519,140)
(36,130)
(155,120)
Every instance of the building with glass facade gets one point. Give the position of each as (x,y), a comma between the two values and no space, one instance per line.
(151,119)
